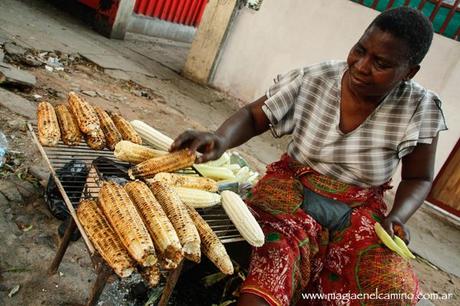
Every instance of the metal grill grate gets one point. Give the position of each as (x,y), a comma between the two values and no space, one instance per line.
(60,155)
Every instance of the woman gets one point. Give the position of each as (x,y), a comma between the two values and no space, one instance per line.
(351,124)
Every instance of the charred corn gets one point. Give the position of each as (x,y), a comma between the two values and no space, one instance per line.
(183,224)
(48,126)
(134,153)
(125,129)
(160,228)
(152,136)
(70,132)
(197,198)
(210,243)
(104,239)
(96,140)
(166,163)
(127,223)
(84,113)
(242,218)
(187,181)
(151,275)
(112,136)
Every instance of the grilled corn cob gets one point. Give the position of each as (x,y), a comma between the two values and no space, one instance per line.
(112,135)
(127,223)
(187,181)
(177,213)
(243,219)
(151,275)
(84,113)
(48,126)
(134,153)
(210,243)
(125,129)
(104,239)
(96,140)
(166,163)
(70,132)
(160,228)
(152,136)
(197,198)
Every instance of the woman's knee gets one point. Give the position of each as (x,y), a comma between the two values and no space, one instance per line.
(249,299)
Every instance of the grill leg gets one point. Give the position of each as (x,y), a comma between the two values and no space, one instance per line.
(62,247)
(104,272)
(170,284)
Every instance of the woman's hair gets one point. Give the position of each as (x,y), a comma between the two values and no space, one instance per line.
(409,25)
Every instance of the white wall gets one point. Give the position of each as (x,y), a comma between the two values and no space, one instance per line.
(288,34)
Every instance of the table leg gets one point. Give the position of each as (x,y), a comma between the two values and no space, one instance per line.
(62,247)
(170,284)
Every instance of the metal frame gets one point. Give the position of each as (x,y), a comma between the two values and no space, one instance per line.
(55,158)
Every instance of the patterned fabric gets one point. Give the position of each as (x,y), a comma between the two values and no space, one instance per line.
(300,256)
(306,104)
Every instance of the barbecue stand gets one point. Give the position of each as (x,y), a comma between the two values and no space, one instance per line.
(56,157)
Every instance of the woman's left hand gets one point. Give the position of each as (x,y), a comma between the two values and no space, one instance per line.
(394,226)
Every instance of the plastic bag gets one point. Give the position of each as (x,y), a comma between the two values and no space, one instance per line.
(3,148)
(73,179)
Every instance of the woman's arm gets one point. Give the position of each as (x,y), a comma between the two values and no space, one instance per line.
(417,177)
(246,123)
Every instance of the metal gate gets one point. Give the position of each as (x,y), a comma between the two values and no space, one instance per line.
(186,12)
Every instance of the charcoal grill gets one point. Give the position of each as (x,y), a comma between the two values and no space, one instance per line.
(58,156)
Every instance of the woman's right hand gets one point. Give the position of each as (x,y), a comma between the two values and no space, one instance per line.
(211,145)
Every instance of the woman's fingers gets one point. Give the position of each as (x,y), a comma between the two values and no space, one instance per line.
(183,140)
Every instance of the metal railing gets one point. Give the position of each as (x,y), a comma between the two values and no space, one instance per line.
(444,14)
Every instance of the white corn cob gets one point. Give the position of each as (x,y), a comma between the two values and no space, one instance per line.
(197,198)
(134,153)
(216,173)
(177,213)
(242,218)
(152,136)
(187,181)
(160,228)
(127,223)
(210,243)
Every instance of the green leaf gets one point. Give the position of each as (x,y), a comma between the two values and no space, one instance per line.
(154,296)
(212,279)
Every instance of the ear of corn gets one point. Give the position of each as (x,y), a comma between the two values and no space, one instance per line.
(104,239)
(386,239)
(127,223)
(402,245)
(217,173)
(125,129)
(70,132)
(187,181)
(177,213)
(166,163)
(160,228)
(197,198)
(112,136)
(134,153)
(152,136)
(95,140)
(84,113)
(48,126)
(210,243)
(242,218)
(151,275)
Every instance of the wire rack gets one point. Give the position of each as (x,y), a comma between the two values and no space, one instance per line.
(59,156)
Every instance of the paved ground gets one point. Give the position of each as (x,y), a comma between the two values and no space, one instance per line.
(118,71)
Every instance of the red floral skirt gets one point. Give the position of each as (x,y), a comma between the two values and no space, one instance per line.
(304,263)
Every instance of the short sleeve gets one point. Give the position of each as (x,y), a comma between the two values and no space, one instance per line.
(280,104)
(428,120)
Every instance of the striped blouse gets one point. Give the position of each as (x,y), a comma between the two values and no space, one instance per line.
(305,103)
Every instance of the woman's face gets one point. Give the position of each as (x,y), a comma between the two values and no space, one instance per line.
(378,63)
